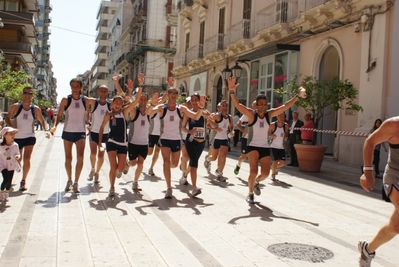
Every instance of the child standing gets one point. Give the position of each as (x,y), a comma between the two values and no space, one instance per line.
(9,155)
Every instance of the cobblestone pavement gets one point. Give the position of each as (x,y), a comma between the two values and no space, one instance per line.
(301,220)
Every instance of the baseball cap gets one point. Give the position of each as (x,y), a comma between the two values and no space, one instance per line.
(8,130)
(188,99)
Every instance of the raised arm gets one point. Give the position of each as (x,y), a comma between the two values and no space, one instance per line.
(275,111)
(241,108)
(138,95)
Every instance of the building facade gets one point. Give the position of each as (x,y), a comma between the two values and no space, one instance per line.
(275,41)
(153,35)
(105,14)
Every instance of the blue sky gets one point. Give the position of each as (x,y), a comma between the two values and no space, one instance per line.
(72,53)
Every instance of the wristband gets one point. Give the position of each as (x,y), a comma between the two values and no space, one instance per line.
(368,168)
(231,92)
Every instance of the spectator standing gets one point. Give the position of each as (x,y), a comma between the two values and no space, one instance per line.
(307,135)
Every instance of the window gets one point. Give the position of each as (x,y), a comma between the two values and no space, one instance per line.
(11,5)
(201,40)
(247,9)
(222,12)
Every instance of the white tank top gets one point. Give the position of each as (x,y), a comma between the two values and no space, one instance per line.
(97,117)
(24,123)
(244,124)
(75,117)
(171,125)
(155,128)
(258,132)
(279,140)
(224,124)
(139,129)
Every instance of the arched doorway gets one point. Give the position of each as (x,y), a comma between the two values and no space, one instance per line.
(328,69)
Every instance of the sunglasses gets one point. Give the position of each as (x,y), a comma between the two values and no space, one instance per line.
(173,93)
(27,93)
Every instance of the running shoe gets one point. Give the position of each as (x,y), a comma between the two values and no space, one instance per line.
(22,186)
(207,164)
(251,198)
(183,180)
(68,186)
(257,189)
(169,193)
(365,255)
(237,170)
(136,187)
(151,172)
(196,191)
(118,174)
(96,178)
(126,169)
(111,192)
(76,188)
(91,174)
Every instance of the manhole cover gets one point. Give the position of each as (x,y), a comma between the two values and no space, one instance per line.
(301,252)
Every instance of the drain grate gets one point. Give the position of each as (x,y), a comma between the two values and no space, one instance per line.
(301,252)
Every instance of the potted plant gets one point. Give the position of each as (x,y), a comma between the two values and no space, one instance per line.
(320,94)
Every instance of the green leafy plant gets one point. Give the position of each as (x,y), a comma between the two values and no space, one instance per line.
(12,82)
(320,94)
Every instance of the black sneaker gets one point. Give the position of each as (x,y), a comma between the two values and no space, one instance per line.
(251,198)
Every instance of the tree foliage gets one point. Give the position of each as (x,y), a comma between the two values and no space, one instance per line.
(320,94)
(12,82)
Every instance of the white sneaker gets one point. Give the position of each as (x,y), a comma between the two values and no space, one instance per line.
(207,164)
(183,181)
(196,192)
(126,169)
(169,193)
(118,174)
(96,178)
(135,186)
(151,172)
(220,177)
(111,192)
(91,174)
(365,256)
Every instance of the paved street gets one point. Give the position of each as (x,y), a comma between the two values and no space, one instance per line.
(316,217)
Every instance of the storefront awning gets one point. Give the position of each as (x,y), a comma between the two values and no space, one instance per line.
(270,50)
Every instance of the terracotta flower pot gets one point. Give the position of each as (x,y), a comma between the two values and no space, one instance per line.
(310,157)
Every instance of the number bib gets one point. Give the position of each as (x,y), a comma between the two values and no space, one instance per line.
(199,133)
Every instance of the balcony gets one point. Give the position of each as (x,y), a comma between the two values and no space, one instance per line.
(99,70)
(305,5)
(180,59)
(187,3)
(241,30)
(195,52)
(26,50)
(22,19)
(100,57)
(141,15)
(47,21)
(171,14)
(97,82)
(48,8)
(213,44)
(101,44)
(40,77)
(278,12)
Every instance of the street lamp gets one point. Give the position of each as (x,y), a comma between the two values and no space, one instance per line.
(226,73)
(236,70)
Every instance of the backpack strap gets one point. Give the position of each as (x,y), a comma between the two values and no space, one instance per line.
(32,110)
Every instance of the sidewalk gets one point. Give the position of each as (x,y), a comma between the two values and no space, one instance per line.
(320,217)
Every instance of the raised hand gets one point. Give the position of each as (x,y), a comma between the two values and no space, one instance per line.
(171,81)
(232,84)
(116,76)
(129,85)
(140,79)
(302,92)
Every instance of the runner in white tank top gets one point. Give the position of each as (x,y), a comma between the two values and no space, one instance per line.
(278,133)
(258,155)
(170,131)
(100,107)
(25,137)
